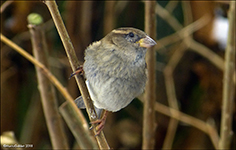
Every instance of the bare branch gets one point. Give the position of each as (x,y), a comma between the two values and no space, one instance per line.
(149,124)
(228,85)
(49,75)
(52,6)
(48,98)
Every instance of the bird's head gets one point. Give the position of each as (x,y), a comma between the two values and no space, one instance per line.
(131,43)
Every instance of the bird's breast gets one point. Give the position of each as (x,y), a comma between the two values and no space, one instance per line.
(115,88)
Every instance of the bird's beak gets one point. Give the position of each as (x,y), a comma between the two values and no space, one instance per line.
(146,42)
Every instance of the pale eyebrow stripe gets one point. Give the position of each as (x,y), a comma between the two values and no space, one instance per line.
(120,31)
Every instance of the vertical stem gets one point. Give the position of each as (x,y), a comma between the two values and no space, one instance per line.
(228,85)
(46,89)
(149,125)
(171,95)
(79,116)
(52,6)
(80,130)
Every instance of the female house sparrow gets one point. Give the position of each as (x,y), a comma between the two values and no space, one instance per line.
(115,70)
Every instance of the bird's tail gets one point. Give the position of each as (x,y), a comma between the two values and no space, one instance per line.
(80,104)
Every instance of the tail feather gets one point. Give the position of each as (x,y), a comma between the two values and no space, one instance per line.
(80,104)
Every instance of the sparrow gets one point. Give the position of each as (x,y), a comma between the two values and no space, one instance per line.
(115,70)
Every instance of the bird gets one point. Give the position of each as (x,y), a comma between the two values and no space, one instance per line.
(115,71)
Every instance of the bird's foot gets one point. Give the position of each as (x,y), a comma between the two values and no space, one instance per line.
(79,70)
(100,126)
(101,123)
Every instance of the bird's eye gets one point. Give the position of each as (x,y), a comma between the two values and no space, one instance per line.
(131,34)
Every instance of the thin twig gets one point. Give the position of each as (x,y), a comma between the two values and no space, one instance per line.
(183,33)
(170,134)
(170,85)
(7,74)
(228,86)
(207,128)
(207,53)
(171,6)
(149,124)
(83,137)
(52,6)
(193,45)
(163,13)
(197,123)
(171,95)
(51,77)
(5,5)
(187,12)
(46,89)
(212,132)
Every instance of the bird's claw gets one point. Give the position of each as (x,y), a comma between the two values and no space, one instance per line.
(79,70)
(99,127)
(100,122)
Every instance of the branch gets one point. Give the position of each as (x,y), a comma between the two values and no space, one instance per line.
(149,124)
(48,98)
(199,48)
(228,85)
(79,116)
(171,6)
(193,45)
(183,33)
(81,134)
(5,5)
(164,14)
(197,123)
(171,95)
(52,6)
